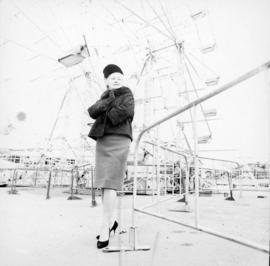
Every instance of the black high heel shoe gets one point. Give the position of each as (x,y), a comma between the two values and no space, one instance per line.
(115,225)
(103,244)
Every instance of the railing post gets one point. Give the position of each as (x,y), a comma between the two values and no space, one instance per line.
(153,173)
(164,172)
(196,170)
(72,197)
(158,171)
(135,182)
(71,183)
(180,178)
(230,187)
(172,178)
(35,180)
(152,180)
(187,187)
(77,179)
(13,189)
(49,185)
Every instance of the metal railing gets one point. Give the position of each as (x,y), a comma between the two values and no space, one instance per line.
(186,155)
(193,105)
(76,175)
(187,170)
(47,180)
(28,177)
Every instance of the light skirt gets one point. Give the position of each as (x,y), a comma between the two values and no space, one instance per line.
(111,161)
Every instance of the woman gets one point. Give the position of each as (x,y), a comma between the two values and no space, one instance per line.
(112,131)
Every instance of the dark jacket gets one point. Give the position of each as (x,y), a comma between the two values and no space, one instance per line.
(113,113)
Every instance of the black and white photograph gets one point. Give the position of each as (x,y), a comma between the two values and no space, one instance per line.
(134,132)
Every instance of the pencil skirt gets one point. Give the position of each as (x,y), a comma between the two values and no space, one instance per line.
(111,161)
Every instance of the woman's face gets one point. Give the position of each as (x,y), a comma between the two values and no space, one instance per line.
(115,81)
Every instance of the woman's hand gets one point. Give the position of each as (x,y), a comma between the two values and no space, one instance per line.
(111,94)
(107,93)
(102,105)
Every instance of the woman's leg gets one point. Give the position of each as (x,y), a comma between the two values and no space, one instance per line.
(109,201)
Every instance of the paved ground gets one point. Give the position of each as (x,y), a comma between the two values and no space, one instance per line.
(54,232)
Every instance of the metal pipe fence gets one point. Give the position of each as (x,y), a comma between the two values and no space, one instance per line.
(77,178)
(193,105)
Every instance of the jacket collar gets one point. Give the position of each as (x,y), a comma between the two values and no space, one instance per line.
(121,91)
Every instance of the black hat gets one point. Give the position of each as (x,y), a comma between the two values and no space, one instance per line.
(109,69)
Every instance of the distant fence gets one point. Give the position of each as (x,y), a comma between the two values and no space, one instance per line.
(37,177)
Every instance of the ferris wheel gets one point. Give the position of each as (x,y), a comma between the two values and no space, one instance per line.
(162,45)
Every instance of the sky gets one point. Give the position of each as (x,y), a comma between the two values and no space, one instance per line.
(34,34)
(241,30)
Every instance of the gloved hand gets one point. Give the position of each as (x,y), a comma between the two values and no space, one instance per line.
(107,94)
